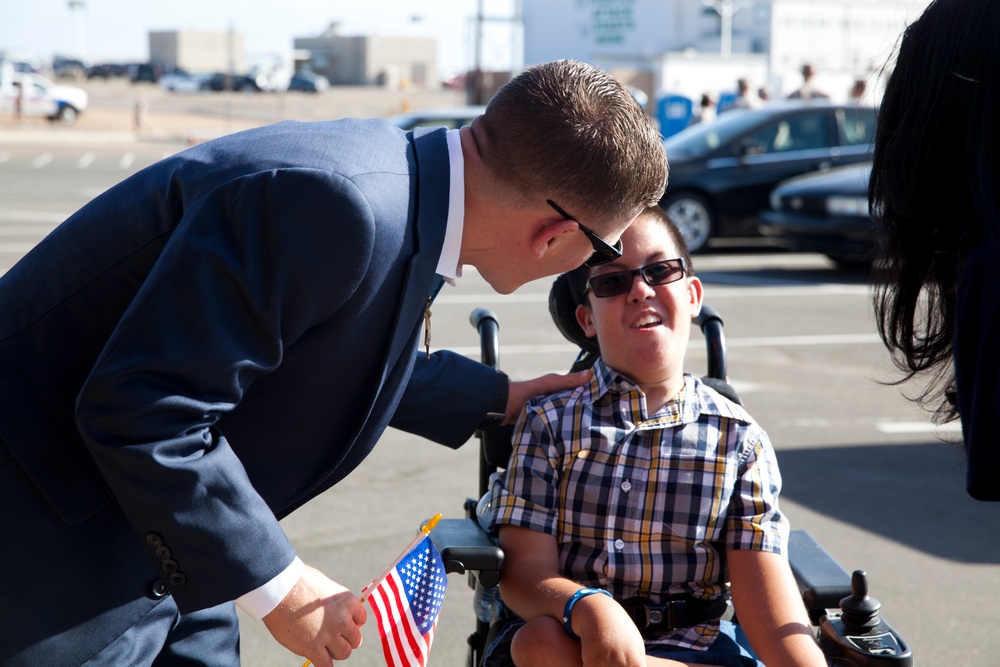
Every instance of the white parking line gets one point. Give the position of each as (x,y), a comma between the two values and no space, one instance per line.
(87,160)
(949,429)
(42,160)
(33,216)
(4,156)
(818,339)
(127,160)
(16,248)
(712,292)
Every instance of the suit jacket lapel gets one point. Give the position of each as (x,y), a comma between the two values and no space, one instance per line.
(431,215)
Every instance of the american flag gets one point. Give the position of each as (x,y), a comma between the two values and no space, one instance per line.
(406,605)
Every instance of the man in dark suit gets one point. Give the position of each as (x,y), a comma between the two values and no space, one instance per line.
(226,334)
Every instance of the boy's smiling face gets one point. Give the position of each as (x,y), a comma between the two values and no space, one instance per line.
(644,332)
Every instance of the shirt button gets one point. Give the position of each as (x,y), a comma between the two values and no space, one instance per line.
(619,544)
(626,486)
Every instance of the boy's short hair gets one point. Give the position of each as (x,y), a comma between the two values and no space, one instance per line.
(570,132)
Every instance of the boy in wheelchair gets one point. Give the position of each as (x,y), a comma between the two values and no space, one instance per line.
(634,506)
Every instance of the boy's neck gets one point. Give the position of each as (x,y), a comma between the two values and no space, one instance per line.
(660,393)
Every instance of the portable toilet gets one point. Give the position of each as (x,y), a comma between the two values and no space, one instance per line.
(674,113)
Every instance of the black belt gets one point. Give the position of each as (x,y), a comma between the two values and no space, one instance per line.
(655,620)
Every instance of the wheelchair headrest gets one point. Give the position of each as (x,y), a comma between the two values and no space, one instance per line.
(564,297)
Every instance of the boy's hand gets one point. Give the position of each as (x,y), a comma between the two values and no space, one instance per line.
(523,390)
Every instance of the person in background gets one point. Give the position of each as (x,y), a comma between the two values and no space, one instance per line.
(745,98)
(705,111)
(808,91)
(935,192)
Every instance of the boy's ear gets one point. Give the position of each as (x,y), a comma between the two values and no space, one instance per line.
(695,294)
(585,318)
(550,235)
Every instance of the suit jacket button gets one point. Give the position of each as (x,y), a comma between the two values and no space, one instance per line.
(169,566)
(177,579)
(163,552)
(153,540)
(158,590)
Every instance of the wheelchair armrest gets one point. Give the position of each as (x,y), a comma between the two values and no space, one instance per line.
(822,582)
(465,547)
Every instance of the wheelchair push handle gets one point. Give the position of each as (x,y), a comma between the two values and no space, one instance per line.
(485,322)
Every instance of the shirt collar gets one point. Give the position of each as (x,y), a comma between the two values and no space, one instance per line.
(448,266)
(686,407)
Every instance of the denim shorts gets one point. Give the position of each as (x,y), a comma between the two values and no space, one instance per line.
(730,649)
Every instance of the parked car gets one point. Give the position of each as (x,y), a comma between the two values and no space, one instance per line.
(183,82)
(825,213)
(308,82)
(450,117)
(238,82)
(722,172)
(39,97)
(144,72)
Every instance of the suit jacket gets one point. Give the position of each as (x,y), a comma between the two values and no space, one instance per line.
(207,346)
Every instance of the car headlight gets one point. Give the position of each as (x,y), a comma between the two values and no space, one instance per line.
(775,200)
(847,205)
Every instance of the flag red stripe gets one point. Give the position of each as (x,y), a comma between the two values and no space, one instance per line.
(401,642)
(409,628)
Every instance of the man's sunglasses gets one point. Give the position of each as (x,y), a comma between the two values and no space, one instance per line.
(604,252)
(620,282)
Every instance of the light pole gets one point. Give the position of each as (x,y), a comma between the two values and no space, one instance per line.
(725,10)
(77,8)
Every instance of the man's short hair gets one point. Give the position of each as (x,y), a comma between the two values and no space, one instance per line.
(567,131)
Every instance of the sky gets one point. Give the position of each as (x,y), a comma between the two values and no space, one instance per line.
(116,30)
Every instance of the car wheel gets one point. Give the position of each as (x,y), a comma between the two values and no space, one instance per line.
(67,114)
(693,216)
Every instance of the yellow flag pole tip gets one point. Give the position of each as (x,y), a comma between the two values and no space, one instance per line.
(429,526)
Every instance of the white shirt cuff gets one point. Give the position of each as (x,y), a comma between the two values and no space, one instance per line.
(259,602)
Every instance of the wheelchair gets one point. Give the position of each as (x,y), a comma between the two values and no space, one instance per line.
(847,622)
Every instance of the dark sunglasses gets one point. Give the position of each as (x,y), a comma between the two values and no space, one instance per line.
(619,282)
(604,252)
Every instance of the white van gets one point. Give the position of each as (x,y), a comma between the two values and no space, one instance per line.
(39,97)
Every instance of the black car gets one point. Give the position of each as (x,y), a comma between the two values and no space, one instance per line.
(238,82)
(825,213)
(722,172)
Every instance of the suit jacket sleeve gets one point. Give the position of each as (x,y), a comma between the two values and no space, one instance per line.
(448,396)
(250,267)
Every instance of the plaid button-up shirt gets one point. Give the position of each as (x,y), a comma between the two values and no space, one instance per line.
(644,505)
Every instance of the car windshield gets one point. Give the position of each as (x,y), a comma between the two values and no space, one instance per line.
(704,137)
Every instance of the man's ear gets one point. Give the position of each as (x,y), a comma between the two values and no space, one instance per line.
(585,318)
(550,235)
(695,294)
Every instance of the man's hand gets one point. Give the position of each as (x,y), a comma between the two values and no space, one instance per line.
(520,392)
(318,619)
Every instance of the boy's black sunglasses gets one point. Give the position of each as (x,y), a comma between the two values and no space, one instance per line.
(620,282)
(604,252)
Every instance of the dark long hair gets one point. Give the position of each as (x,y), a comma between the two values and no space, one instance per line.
(934,185)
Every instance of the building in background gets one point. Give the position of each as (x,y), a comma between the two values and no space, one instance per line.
(198,51)
(370,60)
(690,47)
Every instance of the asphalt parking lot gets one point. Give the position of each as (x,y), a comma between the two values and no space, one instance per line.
(864,471)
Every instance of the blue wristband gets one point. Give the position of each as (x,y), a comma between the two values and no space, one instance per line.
(573,599)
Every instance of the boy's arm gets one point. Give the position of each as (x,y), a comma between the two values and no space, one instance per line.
(533,587)
(770,609)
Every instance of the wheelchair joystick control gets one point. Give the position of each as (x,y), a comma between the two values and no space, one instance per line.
(859,612)
(856,636)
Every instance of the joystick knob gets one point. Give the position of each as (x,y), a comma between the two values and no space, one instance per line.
(859,611)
